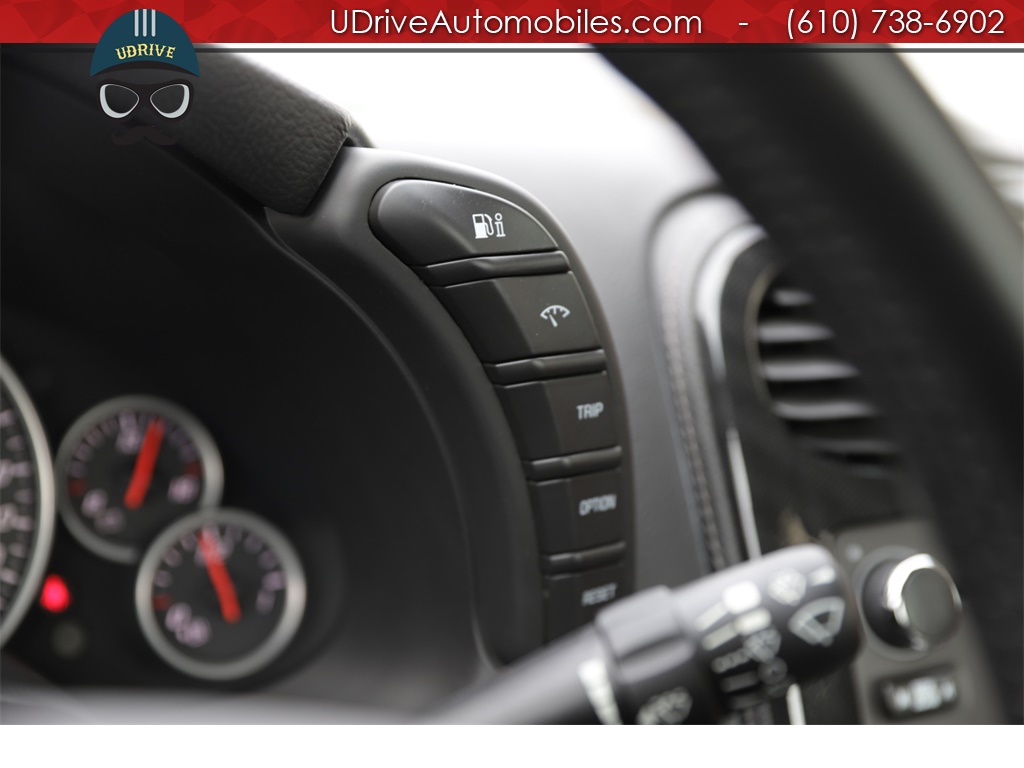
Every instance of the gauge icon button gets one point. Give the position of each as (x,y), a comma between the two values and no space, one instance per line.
(129,467)
(220,594)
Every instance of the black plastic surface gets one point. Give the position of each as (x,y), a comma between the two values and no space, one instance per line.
(516,317)
(566,562)
(576,464)
(549,367)
(487,267)
(560,416)
(426,222)
(574,599)
(579,512)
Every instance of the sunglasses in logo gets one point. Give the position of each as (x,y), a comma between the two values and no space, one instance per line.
(170,100)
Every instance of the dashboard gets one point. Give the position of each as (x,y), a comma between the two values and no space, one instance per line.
(360,440)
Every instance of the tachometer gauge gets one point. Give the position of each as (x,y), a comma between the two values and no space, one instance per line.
(129,467)
(26,502)
(220,594)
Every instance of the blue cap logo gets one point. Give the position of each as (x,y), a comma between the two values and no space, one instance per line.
(144,37)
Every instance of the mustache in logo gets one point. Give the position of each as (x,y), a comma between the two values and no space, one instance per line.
(140,132)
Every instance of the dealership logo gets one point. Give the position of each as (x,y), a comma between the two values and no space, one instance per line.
(145,67)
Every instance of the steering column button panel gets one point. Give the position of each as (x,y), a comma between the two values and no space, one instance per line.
(511,288)
(428,222)
(476,286)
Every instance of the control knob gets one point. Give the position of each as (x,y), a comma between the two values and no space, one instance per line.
(912,603)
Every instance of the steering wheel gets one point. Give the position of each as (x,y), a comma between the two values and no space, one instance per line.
(917,264)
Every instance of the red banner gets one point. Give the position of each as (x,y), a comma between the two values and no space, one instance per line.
(459,22)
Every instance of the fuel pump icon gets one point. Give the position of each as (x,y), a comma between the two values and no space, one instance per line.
(485,226)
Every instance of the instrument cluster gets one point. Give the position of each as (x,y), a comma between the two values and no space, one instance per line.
(138,481)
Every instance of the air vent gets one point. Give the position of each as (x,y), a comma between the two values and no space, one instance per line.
(813,389)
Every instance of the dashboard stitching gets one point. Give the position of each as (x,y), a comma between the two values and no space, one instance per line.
(673,344)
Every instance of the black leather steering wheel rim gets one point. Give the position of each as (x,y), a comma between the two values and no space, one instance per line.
(916,262)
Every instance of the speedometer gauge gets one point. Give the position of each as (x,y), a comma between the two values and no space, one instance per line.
(220,594)
(128,468)
(26,501)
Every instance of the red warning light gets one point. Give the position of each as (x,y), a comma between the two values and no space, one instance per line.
(55,597)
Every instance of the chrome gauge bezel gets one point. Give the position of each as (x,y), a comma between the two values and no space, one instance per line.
(46,516)
(209,459)
(276,642)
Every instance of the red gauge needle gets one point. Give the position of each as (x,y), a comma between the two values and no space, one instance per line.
(219,576)
(145,462)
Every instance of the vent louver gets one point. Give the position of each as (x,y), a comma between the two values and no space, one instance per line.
(813,389)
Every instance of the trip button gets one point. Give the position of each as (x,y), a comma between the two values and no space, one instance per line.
(573,599)
(517,317)
(576,513)
(427,222)
(559,416)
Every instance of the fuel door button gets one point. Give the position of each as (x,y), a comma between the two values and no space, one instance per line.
(428,222)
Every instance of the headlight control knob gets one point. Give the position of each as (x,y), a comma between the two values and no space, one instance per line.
(912,603)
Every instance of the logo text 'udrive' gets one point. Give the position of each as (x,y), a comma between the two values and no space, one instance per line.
(146,68)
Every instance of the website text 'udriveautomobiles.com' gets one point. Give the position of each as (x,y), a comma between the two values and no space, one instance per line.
(583,22)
